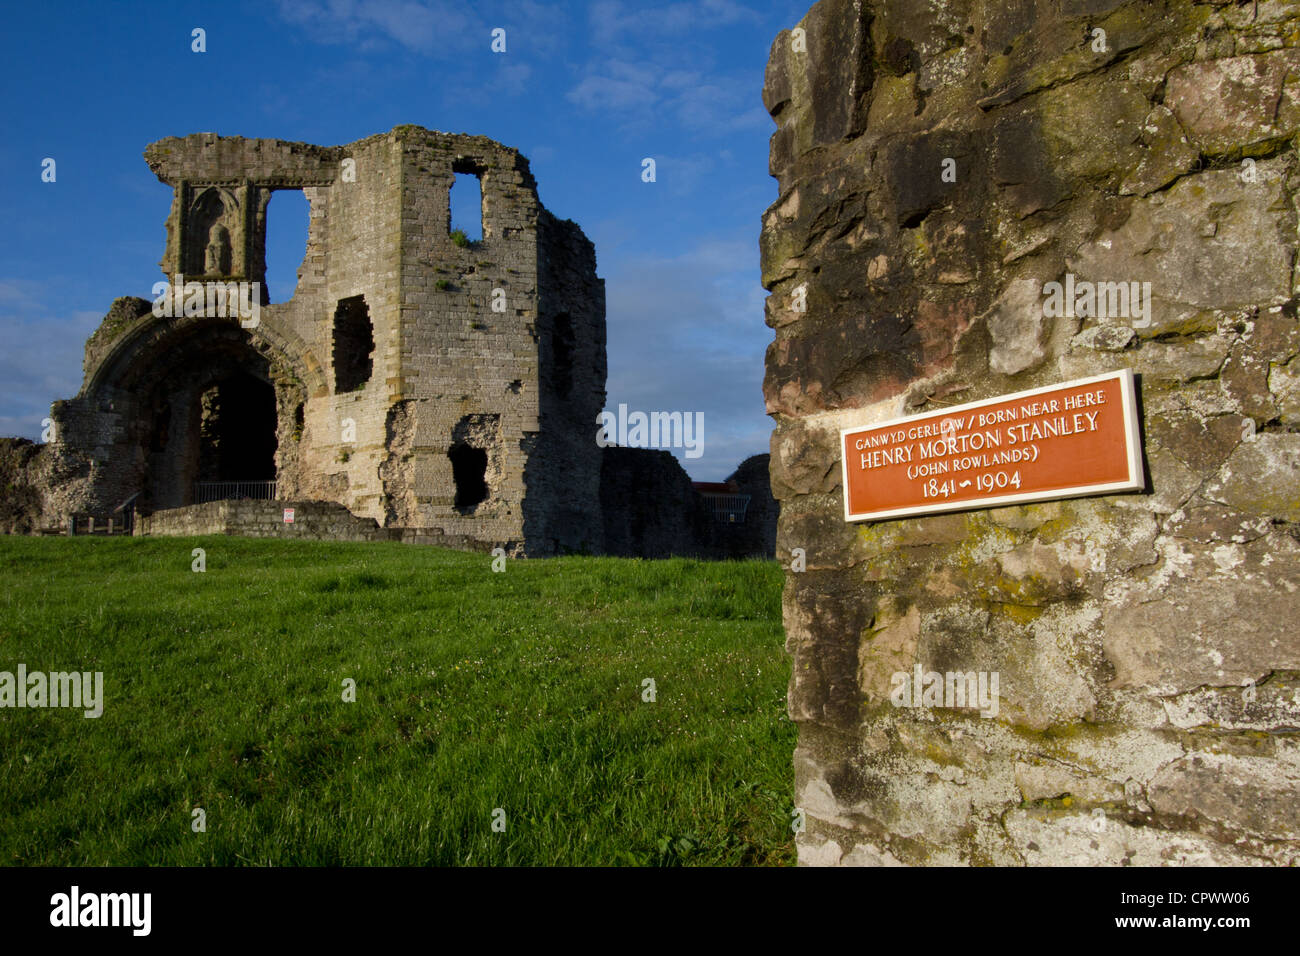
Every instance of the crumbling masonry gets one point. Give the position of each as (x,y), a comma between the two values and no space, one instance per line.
(425,382)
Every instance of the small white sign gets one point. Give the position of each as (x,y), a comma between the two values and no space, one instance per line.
(288,516)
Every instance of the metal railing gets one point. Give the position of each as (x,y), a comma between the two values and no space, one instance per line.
(205,491)
(727,508)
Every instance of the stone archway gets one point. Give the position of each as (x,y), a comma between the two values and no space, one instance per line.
(211,415)
(237,433)
(190,400)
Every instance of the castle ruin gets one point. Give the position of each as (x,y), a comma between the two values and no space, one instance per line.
(445,387)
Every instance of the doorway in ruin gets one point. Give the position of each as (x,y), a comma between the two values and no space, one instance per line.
(237,430)
(211,428)
(477,461)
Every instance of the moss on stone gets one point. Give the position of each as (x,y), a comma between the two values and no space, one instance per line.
(1020,613)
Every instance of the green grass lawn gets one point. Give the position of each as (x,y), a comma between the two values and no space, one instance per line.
(475,690)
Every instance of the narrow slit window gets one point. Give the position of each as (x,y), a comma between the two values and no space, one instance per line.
(466,206)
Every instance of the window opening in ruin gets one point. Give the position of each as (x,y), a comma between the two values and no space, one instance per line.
(287,217)
(237,440)
(469,471)
(354,343)
(562,354)
(466,205)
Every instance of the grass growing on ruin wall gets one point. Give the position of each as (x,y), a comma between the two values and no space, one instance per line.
(474,691)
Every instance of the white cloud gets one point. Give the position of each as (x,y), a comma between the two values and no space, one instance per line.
(617,85)
(434,27)
(22,295)
(416,26)
(645,93)
(41,351)
(718,109)
(679,175)
(511,79)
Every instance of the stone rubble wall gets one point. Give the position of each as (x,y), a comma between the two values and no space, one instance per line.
(756,535)
(458,357)
(651,510)
(316,520)
(22,502)
(648,505)
(1148,659)
(313,520)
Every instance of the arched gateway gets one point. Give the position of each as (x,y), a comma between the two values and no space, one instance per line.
(196,408)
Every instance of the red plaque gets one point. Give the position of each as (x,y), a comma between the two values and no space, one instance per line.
(1063,441)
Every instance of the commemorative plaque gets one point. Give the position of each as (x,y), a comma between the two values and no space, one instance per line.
(1069,440)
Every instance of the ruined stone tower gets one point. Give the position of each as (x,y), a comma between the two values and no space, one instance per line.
(421,381)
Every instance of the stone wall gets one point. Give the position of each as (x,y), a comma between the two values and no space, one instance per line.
(1149,670)
(756,535)
(564,466)
(651,510)
(22,507)
(315,520)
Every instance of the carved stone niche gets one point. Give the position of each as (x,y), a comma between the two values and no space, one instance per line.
(214,232)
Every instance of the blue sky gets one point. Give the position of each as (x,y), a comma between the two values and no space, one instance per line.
(585,91)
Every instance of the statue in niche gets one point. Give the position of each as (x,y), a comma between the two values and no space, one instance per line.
(216,261)
(209,245)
